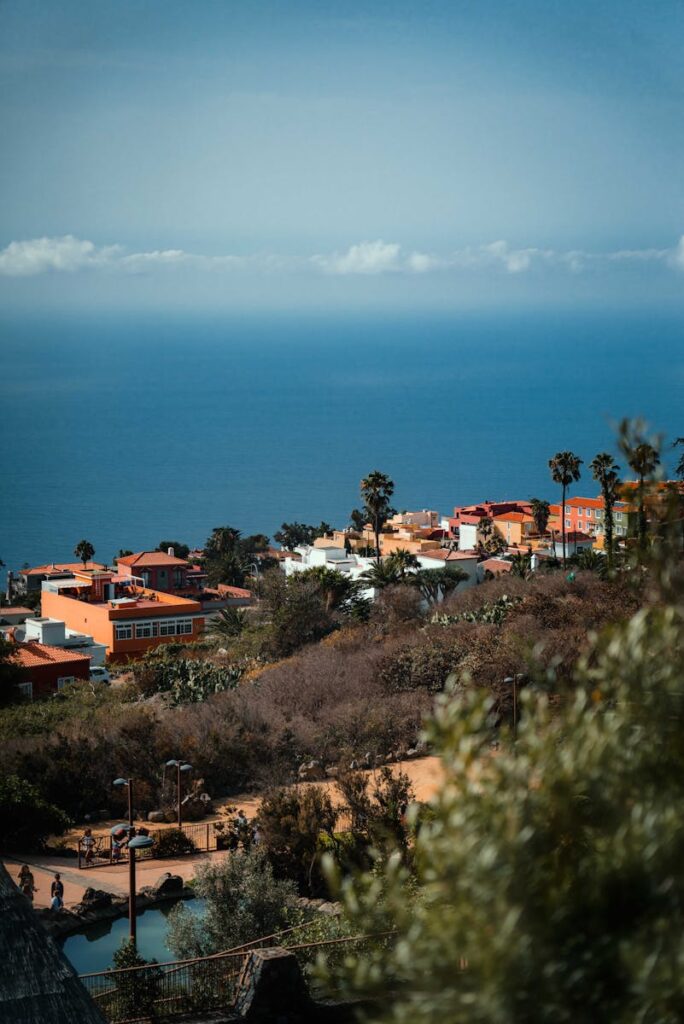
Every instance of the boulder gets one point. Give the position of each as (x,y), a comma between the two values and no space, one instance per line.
(411,753)
(93,899)
(156,816)
(332,771)
(309,770)
(168,885)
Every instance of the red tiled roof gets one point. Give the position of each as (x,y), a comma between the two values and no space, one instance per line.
(514,517)
(496,565)
(149,559)
(15,609)
(35,655)
(444,555)
(42,570)
(226,591)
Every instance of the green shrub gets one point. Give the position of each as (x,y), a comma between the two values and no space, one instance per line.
(26,819)
(173,842)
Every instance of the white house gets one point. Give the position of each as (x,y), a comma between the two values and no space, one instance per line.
(467,536)
(56,634)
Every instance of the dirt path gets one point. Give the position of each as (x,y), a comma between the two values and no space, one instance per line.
(426,775)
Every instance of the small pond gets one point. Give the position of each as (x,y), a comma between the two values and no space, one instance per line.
(93,948)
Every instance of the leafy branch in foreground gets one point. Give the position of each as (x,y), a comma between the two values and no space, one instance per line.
(549,877)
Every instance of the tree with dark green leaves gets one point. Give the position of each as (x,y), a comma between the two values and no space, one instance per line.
(679,468)
(643,457)
(405,561)
(437,584)
(546,882)
(85,551)
(376,491)
(490,540)
(27,819)
(11,674)
(384,573)
(293,535)
(541,512)
(334,586)
(228,624)
(180,550)
(605,471)
(565,470)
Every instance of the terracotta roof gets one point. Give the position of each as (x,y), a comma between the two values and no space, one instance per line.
(496,565)
(150,558)
(444,555)
(15,609)
(514,517)
(42,570)
(35,655)
(227,591)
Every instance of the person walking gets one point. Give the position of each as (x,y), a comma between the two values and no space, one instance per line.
(88,845)
(57,892)
(26,882)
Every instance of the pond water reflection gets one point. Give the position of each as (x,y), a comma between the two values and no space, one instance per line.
(93,948)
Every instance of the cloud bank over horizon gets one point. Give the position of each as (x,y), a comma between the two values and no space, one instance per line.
(67,254)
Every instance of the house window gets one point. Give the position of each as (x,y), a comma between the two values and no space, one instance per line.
(167,628)
(568,524)
(618,516)
(599,514)
(579,511)
(143,630)
(185,626)
(580,525)
(26,690)
(588,513)
(64,681)
(124,631)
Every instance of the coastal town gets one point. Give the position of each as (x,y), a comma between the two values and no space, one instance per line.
(72,621)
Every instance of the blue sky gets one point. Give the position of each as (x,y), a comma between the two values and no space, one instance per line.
(254,155)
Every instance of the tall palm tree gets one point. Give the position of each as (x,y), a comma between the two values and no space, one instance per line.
(541,510)
(85,551)
(376,490)
(565,470)
(643,458)
(404,560)
(604,469)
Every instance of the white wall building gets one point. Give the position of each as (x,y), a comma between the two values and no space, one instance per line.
(467,536)
(444,559)
(56,634)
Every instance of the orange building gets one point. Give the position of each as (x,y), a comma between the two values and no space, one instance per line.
(118,612)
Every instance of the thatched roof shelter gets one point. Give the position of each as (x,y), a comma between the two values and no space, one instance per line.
(37,984)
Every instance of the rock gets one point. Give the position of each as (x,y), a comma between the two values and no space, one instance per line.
(354,765)
(168,885)
(332,771)
(157,816)
(421,746)
(410,753)
(93,899)
(378,760)
(333,909)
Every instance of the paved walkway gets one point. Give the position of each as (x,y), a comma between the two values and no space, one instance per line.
(112,877)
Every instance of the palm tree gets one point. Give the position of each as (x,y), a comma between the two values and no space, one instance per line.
(85,551)
(541,510)
(521,565)
(382,574)
(376,490)
(404,560)
(228,624)
(605,470)
(643,458)
(565,470)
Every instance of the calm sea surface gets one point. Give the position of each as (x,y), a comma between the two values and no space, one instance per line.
(128,431)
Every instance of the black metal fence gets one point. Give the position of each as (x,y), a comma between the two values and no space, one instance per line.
(200,985)
(101,851)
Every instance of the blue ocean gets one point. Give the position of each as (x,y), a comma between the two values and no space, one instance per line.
(129,430)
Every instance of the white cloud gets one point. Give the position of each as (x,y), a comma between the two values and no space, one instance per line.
(39,255)
(68,254)
(676,256)
(365,258)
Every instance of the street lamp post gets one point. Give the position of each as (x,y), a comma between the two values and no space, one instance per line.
(129,784)
(134,843)
(180,766)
